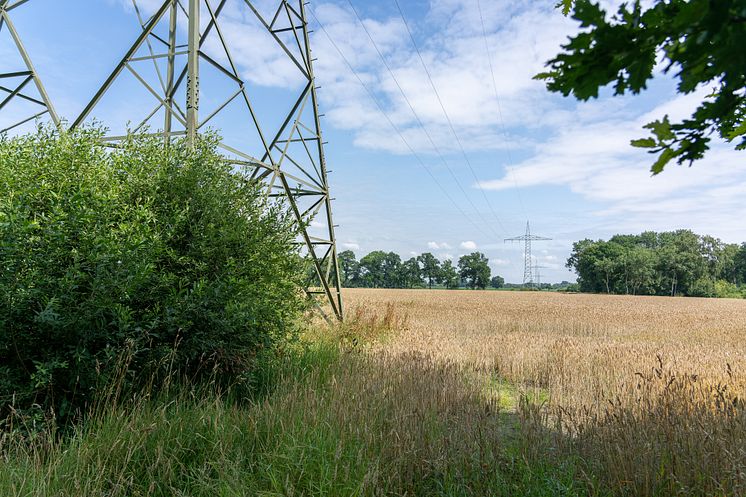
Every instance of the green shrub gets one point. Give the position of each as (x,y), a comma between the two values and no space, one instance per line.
(727,290)
(703,287)
(147,250)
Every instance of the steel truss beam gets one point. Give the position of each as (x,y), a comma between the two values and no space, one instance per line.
(289,160)
(23,77)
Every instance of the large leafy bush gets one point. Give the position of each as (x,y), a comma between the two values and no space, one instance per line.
(150,250)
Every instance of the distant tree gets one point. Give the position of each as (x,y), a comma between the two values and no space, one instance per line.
(680,260)
(564,286)
(607,266)
(670,263)
(497,282)
(726,260)
(702,40)
(583,266)
(739,265)
(449,277)
(639,270)
(349,267)
(392,270)
(597,264)
(710,248)
(381,269)
(410,274)
(648,239)
(430,268)
(475,270)
(727,290)
(372,269)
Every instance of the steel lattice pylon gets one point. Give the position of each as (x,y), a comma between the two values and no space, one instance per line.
(182,54)
(537,273)
(14,84)
(528,265)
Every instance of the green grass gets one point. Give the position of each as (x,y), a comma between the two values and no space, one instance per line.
(509,395)
(326,423)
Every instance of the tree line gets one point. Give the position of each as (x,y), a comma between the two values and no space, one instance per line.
(668,263)
(380,269)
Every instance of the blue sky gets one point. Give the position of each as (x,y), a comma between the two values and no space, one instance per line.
(566,166)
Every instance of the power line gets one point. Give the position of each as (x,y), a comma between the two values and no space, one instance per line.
(380,107)
(445,113)
(393,125)
(417,117)
(499,108)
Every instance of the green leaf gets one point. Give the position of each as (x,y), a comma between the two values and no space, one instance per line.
(700,41)
(644,143)
(661,129)
(565,5)
(544,75)
(740,130)
(663,159)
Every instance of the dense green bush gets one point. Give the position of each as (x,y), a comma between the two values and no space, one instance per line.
(140,250)
(727,290)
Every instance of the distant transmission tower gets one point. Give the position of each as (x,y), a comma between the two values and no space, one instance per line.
(528,265)
(537,274)
(22,94)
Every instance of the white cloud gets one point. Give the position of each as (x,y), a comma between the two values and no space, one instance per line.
(437,246)
(351,246)
(593,159)
(522,41)
(468,245)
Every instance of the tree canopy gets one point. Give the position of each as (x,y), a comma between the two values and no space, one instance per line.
(380,269)
(497,282)
(670,263)
(701,41)
(475,270)
(430,268)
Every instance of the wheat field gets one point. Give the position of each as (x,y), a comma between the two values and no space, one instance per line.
(647,391)
(435,393)
(577,345)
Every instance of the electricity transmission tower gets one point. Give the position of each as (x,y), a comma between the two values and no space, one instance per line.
(528,265)
(179,76)
(537,274)
(22,95)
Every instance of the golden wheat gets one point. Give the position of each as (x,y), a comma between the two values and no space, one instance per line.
(649,391)
(575,346)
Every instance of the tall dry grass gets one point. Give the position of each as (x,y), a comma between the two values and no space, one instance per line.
(648,392)
(339,421)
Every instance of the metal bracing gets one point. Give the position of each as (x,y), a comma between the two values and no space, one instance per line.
(528,264)
(173,62)
(537,274)
(13,84)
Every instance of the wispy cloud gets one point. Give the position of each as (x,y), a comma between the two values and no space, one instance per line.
(438,246)
(593,159)
(521,41)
